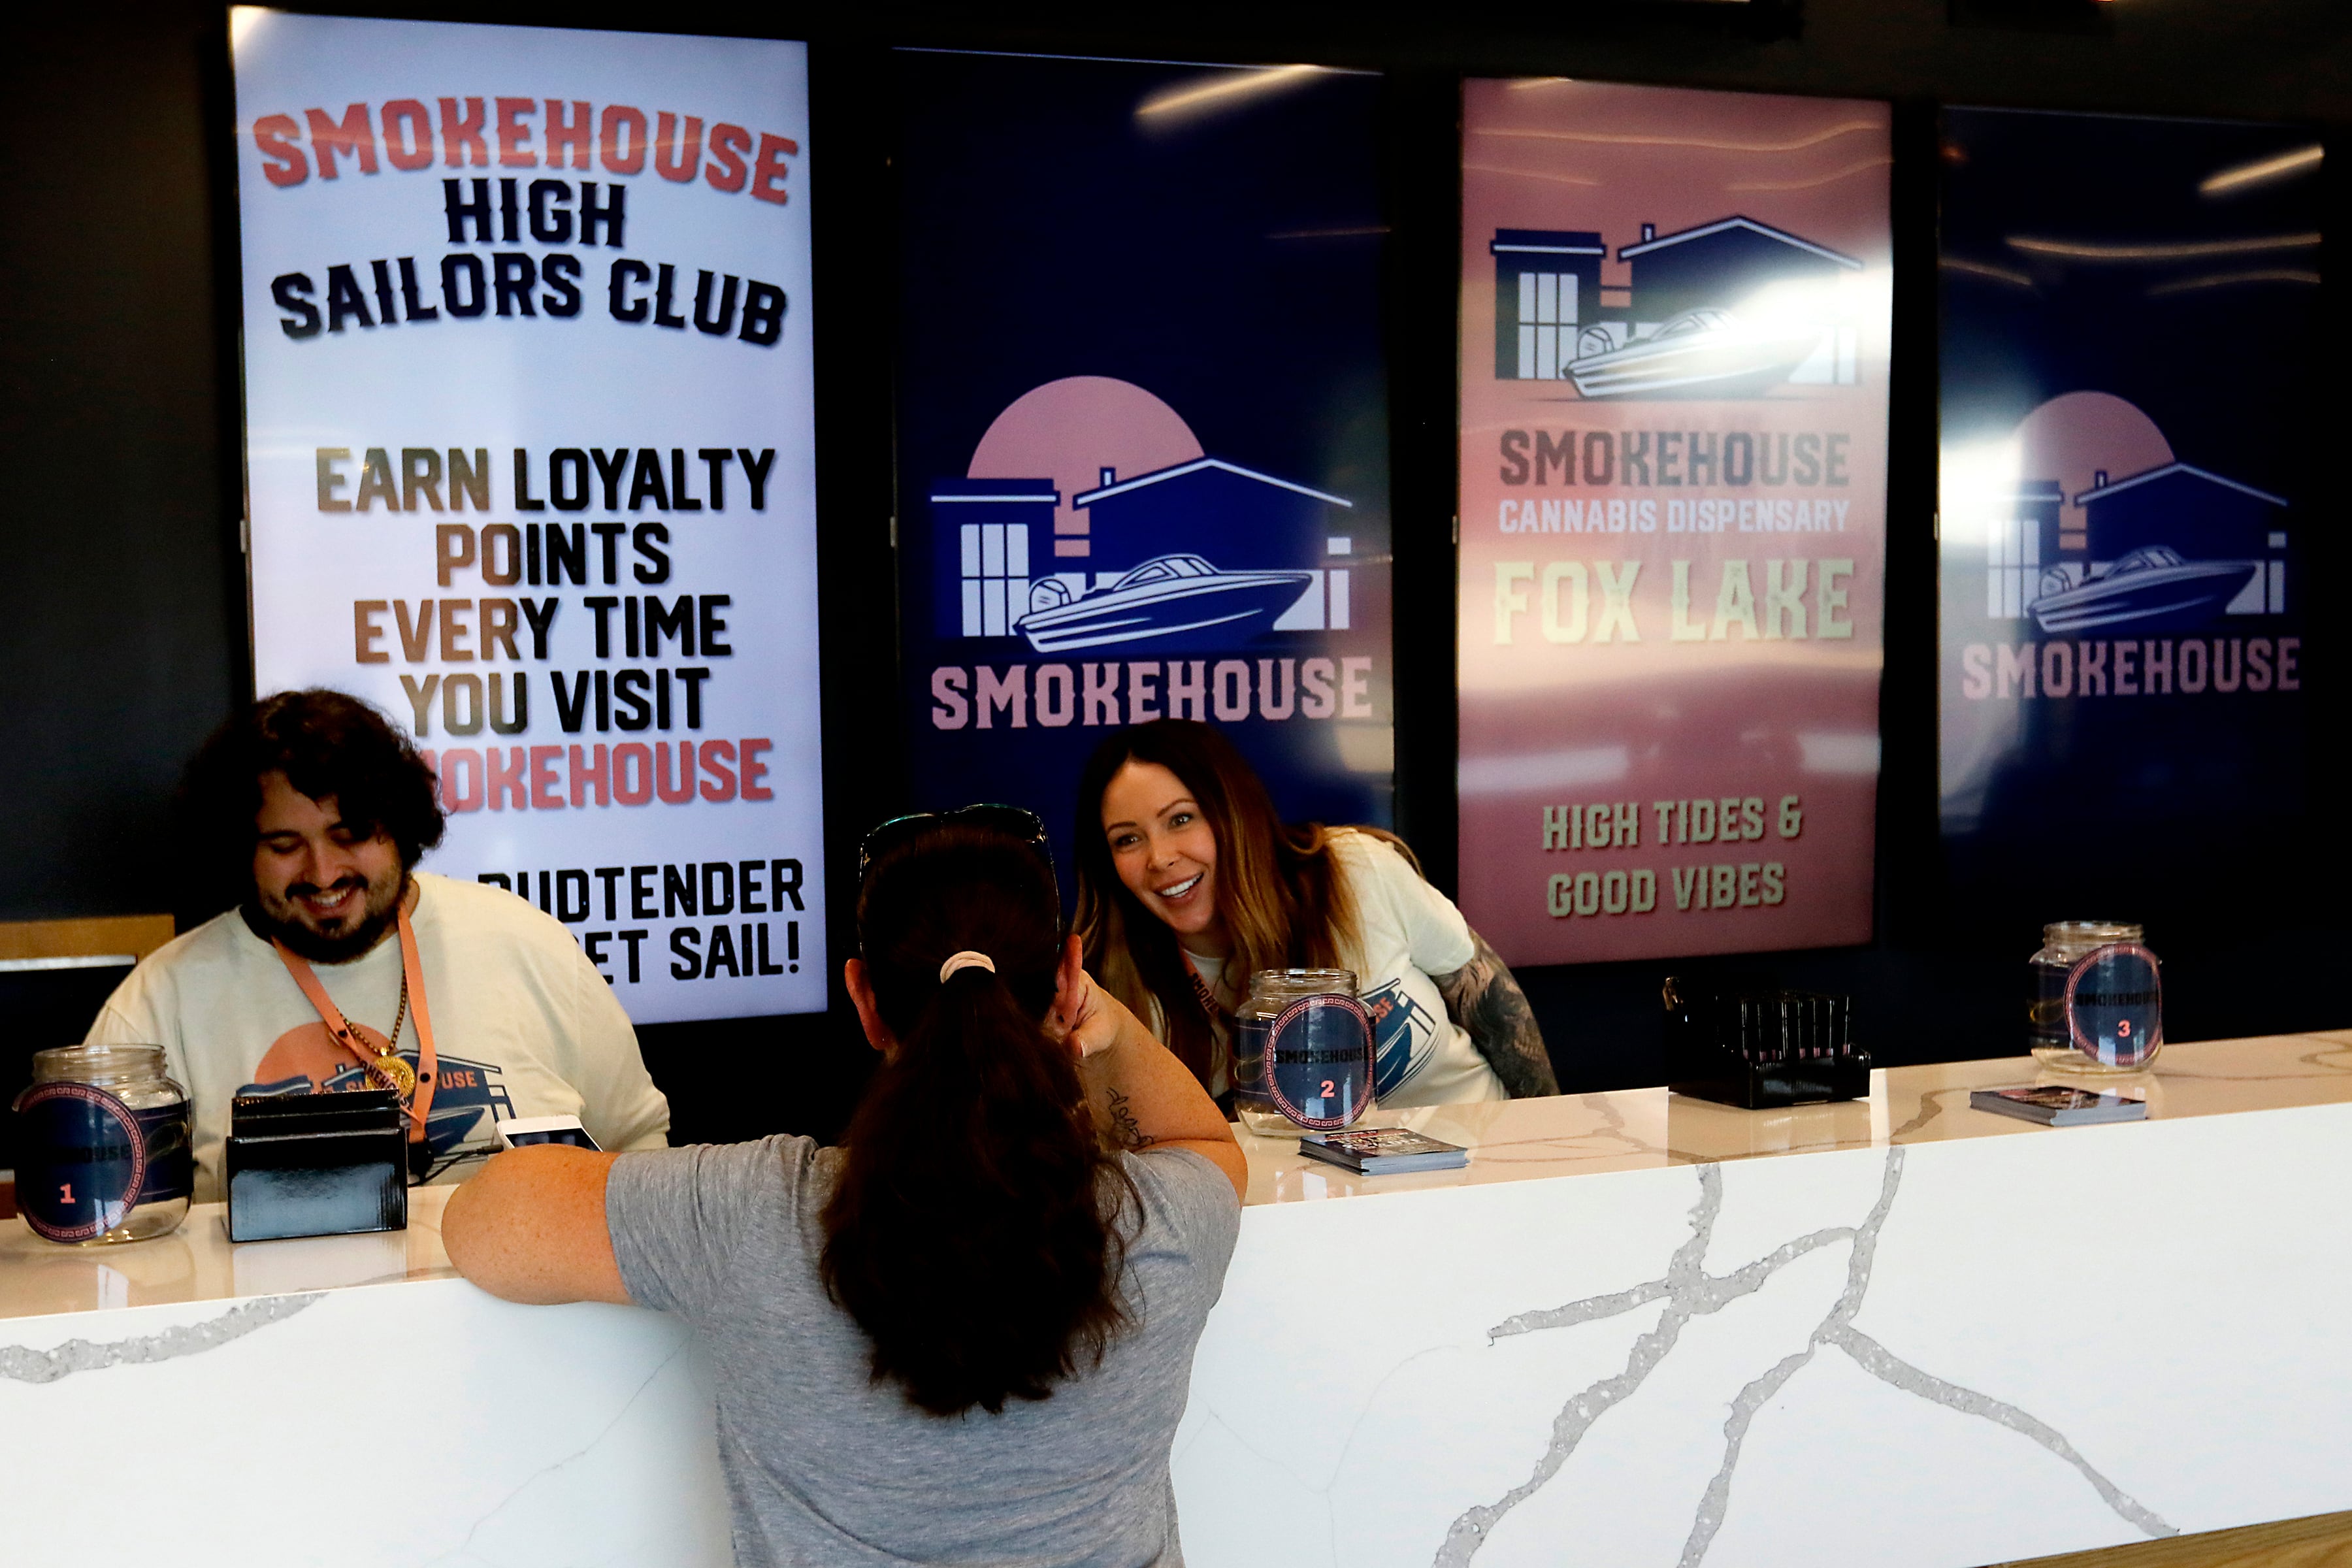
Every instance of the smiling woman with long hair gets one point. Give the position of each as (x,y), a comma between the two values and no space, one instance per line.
(1189,883)
(967,1335)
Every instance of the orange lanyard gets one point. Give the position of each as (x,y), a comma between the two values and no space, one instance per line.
(421,1102)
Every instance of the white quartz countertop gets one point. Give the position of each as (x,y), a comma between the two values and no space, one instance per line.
(1518,1141)
(1624,1334)
(1643,1129)
(198,1262)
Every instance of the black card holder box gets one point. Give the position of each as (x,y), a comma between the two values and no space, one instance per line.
(316,1165)
(1743,1040)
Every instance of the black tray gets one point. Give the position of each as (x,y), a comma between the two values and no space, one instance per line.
(1745,1041)
(316,1165)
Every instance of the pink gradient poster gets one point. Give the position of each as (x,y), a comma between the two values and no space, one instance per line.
(1675,326)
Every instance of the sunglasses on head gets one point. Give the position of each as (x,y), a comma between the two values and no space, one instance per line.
(1013,821)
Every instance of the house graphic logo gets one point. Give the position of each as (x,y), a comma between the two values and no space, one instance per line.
(2126,571)
(1731,308)
(2168,548)
(1196,554)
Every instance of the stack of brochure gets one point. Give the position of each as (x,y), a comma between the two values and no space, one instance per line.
(2060,1105)
(1383,1150)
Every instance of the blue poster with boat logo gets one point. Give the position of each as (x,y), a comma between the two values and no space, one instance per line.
(1142,424)
(2131,313)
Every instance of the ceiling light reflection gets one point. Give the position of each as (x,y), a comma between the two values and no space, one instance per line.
(2262,172)
(1808,184)
(1978,480)
(1175,102)
(1530,174)
(1985,269)
(2225,280)
(2086,250)
(1841,129)
(242,19)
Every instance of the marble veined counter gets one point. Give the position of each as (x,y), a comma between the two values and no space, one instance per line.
(1637,1330)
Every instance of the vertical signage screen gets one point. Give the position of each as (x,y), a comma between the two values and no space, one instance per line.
(529,464)
(1143,425)
(1675,328)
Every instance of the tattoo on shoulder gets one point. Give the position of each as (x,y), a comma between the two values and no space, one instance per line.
(1483,998)
(1125,1130)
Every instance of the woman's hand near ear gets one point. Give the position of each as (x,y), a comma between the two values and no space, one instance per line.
(1142,1096)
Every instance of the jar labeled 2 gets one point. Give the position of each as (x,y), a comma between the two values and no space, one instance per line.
(1304,1053)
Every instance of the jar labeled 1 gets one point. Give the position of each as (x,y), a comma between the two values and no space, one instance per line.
(2097,998)
(1303,1053)
(103,1152)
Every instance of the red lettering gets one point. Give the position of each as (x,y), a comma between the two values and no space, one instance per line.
(461,779)
(768,172)
(277,137)
(588,776)
(620,118)
(514,136)
(676,157)
(352,137)
(543,782)
(728,170)
(407,134)
(752,770)
(633,772)
(718,764)
(683,791)
(573,134)
(462,133)
(508,776)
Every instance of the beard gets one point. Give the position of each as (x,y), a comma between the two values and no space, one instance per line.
(340,938)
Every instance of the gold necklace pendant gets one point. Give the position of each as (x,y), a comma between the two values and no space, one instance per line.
(390,1071)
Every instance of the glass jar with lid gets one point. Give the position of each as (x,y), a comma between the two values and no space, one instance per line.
(2097,999)
(1303,1053)
(104,1146)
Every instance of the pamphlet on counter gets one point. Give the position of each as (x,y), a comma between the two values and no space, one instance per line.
(2060,1105)
(1383,1150)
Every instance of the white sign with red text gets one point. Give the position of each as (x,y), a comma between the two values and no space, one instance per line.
(529,464)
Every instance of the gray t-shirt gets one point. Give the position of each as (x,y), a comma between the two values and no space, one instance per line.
(823,1466)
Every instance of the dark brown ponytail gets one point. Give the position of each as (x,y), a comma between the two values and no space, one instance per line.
(972,1232)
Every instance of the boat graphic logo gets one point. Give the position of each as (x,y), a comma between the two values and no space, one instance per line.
(2173,548)
(1730,309)
(1166,594)
(2151,588)
(1199,556)
(467,1101)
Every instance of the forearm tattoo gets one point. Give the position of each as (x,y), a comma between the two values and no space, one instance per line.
(1125,1130)
(1484,999)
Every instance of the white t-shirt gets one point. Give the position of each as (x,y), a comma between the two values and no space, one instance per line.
(1407,932)
(523,1024)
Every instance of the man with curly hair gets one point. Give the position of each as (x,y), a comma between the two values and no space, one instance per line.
(341,955)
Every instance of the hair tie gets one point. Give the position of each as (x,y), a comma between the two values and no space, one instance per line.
(966,960)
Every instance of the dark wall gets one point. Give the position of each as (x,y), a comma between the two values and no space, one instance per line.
(122,636)
(122,610)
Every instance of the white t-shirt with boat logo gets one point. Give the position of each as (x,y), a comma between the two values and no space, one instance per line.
(523,1024)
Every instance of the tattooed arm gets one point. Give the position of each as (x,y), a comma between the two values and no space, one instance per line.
(1142,1096)
(1119,1112)
(1484,999)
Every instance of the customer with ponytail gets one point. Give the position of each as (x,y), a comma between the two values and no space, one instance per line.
(966,1335)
